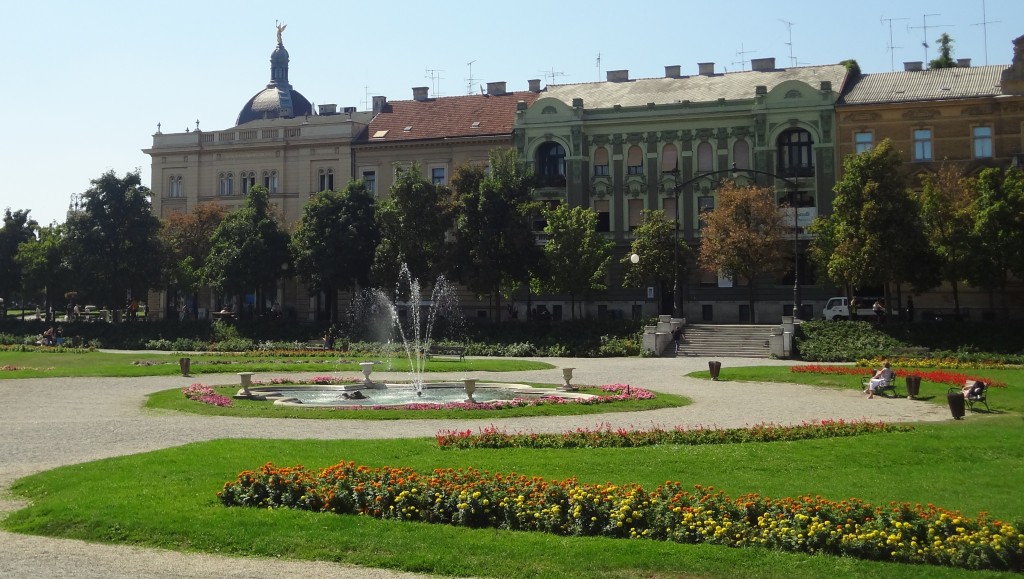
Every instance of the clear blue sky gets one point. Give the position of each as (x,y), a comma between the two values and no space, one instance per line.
(89,81)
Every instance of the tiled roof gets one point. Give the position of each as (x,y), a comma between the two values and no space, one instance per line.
(923,85)
(697,88)
(447,117)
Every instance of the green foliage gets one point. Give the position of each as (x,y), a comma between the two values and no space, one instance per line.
(822,341)
(577,256)
(852,68)
(946,212)
(187,239)
(45,263)
(17,228)
(998,229)
(657,246)
(945,59)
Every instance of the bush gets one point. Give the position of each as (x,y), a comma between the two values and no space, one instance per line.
(823,341)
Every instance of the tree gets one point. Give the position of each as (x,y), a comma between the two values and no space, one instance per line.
(577,255)
(44,264)
(187,239)
(998,230)
(874,235)
(113,243)
(494,240)
(413,224)
(945,59)
(249,249)
(661,254)
(946,211)
(744,236)
(17,229)
(334,244)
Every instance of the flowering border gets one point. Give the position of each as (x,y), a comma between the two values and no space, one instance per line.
(604,436)
(206,395)
(472,498)
(937,376)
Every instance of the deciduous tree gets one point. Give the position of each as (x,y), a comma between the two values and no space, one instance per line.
(187,239)
(947,214)
(17,228)
(660,253)
(44,264)
(998,230)
(577,255)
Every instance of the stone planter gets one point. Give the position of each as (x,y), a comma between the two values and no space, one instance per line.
(470,384)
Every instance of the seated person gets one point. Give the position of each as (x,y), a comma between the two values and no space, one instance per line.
(972,388)
(881,379)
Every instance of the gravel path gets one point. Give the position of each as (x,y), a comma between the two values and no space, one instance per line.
(45,423)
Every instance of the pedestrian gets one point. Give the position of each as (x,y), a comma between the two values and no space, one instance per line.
(910,308)
(677,337)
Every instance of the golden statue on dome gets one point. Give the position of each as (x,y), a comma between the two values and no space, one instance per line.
(280,29)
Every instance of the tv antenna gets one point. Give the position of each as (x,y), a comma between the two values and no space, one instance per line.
(552,75)
(742,53)
(367,103)
(789,28)
(890,47)
(924,27)
(984,28)
(598,64)
(470,81)
(434,74)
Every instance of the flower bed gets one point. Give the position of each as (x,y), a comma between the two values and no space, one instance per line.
(205,394)
(472,498)
(937,376)
(606,437)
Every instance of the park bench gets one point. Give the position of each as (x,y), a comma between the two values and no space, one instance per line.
(888,386)
(446,350)
(977,395)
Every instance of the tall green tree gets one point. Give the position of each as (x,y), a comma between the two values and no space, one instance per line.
(334,244)
(249,250)
(661,255)
(493,232)
(17,228)
(998,230)
(947,213)
(577,255)
(45,264)
(187,239)
(113,240)
(413,221)
(744,237)
(945,59)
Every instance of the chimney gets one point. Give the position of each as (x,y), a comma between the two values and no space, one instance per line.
(672,71)
(963,62)
(826,86)
(706,68)
(760,90)
(912,66)
(328,109)
(762,64)
(419,93)
(534,84)
(618,75)
(380,104)
(496,88)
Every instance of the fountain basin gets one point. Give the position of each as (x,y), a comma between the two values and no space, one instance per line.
(315,396)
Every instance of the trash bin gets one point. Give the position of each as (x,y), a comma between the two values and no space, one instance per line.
(913,385)
(956,404)
(185,364)
(715,368)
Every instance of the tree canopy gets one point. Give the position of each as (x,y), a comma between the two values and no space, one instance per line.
(17,228)
(577,255)
(945,58)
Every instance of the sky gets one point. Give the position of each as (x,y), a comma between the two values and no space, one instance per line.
(93,79)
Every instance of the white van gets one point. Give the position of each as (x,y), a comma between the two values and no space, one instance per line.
(839,308)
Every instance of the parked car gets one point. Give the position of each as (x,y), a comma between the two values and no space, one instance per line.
(839,308)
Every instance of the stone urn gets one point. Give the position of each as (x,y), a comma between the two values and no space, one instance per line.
(367,369)
(246,378)
(470,384)
(567,376)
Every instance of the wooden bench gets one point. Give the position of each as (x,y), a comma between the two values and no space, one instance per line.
(978,394)
(446,350)
(890,385)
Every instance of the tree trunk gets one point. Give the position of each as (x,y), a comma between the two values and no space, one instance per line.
(750,301)
(956,301)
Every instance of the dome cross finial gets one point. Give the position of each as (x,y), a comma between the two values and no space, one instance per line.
(280,29)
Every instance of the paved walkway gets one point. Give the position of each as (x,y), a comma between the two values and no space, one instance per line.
(45,423)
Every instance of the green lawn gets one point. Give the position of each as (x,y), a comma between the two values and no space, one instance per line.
(53,364)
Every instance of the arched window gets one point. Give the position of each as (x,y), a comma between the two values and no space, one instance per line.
(326,180)
(226,183)
(551,164)
(741,154)
(635,161)
(669,159)
(174,188)
(601,162)
(795,159)
(705,158)
(270,181)
(248,180)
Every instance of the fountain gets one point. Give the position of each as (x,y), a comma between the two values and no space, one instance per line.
(367,369)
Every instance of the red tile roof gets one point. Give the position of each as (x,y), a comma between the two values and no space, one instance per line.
(447,117)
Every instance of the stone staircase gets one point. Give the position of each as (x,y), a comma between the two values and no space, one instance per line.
(725,341)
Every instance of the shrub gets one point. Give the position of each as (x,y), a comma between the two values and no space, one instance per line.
(822,341)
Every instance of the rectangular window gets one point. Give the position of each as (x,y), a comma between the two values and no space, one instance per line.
(604,221)
(636,208)
(982,142)
(600,170)
(922,144)
(704,204)
(601,162)
(370,180)
(437,176)
(635,161)
(863,141)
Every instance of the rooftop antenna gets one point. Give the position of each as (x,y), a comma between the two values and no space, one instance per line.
(984,28)
(890,47)
(598,64)
(434,74)
(470,81)
(789,27)
(924,27)
(366,97)
(742,53)
(551,75)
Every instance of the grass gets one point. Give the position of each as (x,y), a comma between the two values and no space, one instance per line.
(79,363)
(168,499)
(174,400)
